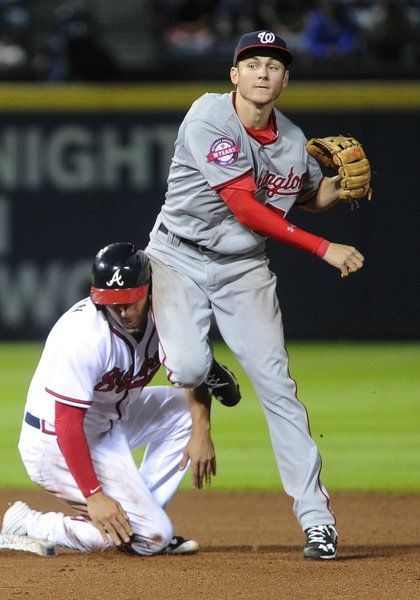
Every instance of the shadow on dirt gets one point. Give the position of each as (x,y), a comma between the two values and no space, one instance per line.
(345,552)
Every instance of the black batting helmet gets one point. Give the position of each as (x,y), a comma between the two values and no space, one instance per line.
(120,274)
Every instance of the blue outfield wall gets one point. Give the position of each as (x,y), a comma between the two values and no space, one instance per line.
(75,178)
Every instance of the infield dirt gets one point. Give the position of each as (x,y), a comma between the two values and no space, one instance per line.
(251,549)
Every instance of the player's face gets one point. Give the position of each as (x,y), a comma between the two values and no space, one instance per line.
(131,316)
(259,79)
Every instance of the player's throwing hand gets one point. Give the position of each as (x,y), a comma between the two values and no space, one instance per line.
(109,517)
(345,258)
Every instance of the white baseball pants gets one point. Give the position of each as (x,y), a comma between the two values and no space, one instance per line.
(160,419)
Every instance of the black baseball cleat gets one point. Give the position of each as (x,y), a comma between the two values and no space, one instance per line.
(223,385)
(321,542)
(179,545)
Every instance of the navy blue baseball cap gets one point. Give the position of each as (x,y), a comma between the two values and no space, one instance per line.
(256,40)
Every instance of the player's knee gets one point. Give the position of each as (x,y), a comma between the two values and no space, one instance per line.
(163,535)
(190,372)
(157,537)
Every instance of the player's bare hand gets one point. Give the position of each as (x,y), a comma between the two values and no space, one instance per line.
(345,258)
(200,451)
(109,517)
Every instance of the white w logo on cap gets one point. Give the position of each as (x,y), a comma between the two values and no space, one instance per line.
(266,37)
(116,278)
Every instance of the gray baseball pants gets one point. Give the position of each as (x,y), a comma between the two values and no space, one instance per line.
(188,286)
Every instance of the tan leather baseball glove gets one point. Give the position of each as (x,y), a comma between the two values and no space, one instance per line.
(346,156)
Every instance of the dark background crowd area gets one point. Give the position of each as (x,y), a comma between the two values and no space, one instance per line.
(161,40)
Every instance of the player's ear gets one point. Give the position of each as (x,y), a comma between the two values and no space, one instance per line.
(285,79)
(234,75)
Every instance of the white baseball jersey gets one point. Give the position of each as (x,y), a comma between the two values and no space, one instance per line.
(90,361)
(213,149)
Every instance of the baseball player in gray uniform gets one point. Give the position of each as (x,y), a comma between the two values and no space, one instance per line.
(238,168)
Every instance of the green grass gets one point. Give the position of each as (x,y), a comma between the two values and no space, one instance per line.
(363,402)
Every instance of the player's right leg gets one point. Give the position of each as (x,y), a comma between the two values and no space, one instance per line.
(181,311)
(45,466)
(120,479)
(182,315)
(255,334)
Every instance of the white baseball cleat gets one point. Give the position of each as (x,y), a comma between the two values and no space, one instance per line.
(15,519)
(14,533)
(9,541)
(179,545)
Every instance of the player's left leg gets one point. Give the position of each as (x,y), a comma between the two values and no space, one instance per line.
(161,420)
(255,334)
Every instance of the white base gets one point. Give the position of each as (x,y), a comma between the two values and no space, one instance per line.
(27,544)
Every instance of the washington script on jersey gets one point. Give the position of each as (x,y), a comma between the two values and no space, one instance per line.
(277,185)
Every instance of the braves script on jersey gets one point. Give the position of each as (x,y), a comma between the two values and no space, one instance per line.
(91,362)
(213,149)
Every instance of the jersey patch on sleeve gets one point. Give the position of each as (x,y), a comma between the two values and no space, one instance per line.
(224,152)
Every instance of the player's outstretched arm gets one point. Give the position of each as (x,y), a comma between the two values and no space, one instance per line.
(250,213)
(200,449)
(345,258)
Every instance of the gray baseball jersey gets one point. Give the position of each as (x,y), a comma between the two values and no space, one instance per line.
(212,149)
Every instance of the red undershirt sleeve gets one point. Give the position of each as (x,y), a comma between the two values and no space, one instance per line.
(265,221)
(75,448)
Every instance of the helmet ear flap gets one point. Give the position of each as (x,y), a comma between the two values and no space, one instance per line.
(120,274)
